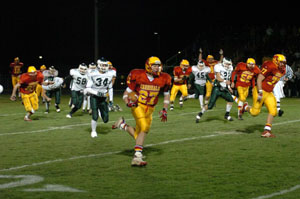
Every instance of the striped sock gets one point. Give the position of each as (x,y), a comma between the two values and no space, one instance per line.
(138,148)
(268,127)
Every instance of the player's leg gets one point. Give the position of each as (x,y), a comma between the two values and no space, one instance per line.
(243,94)
(57,99)
(77,99)
(47,104)
(174,92)
(278,93)
(227,96)
(270,103)
(27,105)
(95,115)
(209,88)
(104,111)
(214,96)
(184,93)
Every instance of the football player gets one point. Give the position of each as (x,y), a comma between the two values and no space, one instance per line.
(146,83)
(49,76)
(16,71)
(278,89)
(181,74)
(199,77)
(246,74)
(39,89)
(27,85)
(210,62)
(271,72)
(113,71)
(99,82)
(86,101)
(221,87)
(79,81)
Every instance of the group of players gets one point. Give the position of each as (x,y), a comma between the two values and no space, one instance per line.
(210,78)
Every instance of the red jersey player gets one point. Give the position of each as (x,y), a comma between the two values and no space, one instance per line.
(146,83)
(246,73)
(27,84)
(271,72)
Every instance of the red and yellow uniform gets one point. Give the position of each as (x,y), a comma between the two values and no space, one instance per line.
(245,76)
(39,88)
(272,74)
(148,92)
(210,62)
(27,88)
(181,85)
(15,70)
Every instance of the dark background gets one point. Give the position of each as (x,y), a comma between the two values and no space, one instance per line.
(63,31)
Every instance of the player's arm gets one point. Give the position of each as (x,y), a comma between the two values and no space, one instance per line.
(191,80)
(13,94)
(260,79)
(220,79)
(221,52)
(200,54)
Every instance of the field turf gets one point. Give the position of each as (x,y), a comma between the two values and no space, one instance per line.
(55,157)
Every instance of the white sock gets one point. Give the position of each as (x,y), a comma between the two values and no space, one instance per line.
(201,101)
(84,103)
(111,94)
(94,125)
(228,107)
(88,102)
(191,96)
(278,105)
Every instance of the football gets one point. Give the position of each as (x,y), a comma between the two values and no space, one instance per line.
(133,97)
(1,88)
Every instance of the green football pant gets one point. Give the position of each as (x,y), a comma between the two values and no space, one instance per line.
(99,103)
(216,93)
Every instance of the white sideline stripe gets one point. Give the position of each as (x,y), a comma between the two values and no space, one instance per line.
(279,193)
(74,125)
(116,152)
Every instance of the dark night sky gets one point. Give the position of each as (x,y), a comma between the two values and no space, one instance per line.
(63,31)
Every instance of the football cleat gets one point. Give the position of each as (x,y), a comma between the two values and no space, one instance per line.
(240,117)
(57,108)
(198,117)
(138,160)
(27,119)
(280,113)
(228,117)
(118,123)
(118,108)
(94,134)
(243,109)
(47,111)
(267,134)
(172,107)
(69,116)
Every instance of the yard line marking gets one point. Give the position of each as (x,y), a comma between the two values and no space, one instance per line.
(75,125)
(116,152)
(279,193)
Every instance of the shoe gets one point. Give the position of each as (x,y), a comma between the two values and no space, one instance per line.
(228,117)
(47,111)
(27,119)
(243,109)
(57,108)
(240,117)
(198,117)
(280,113)
(94,134)
(118,108)
(69,116)
(267,134)
(138,160)
(171,107)
(118,123)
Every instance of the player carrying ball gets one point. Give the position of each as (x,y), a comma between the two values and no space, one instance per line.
(146,83)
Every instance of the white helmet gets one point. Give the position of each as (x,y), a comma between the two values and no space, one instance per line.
(92,65)
(102,65)
(82,68)
(200,64)
(226,62)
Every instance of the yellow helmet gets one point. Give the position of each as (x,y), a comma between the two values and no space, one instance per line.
(110,64)
(250,61)
(16,59)
(31,69)
(184,62)
(42,67)
(209,57)
(277,58)
(153,61)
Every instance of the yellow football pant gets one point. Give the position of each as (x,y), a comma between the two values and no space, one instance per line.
(176,88)
(30,101)
(39,90)
(209,87)
(243,93)
(14,80)
(143,118)
(268,99)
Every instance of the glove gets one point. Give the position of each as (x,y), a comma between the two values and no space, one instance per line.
(163,115)
(260,95)
(131,104)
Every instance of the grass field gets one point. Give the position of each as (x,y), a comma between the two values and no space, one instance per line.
(55,157)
